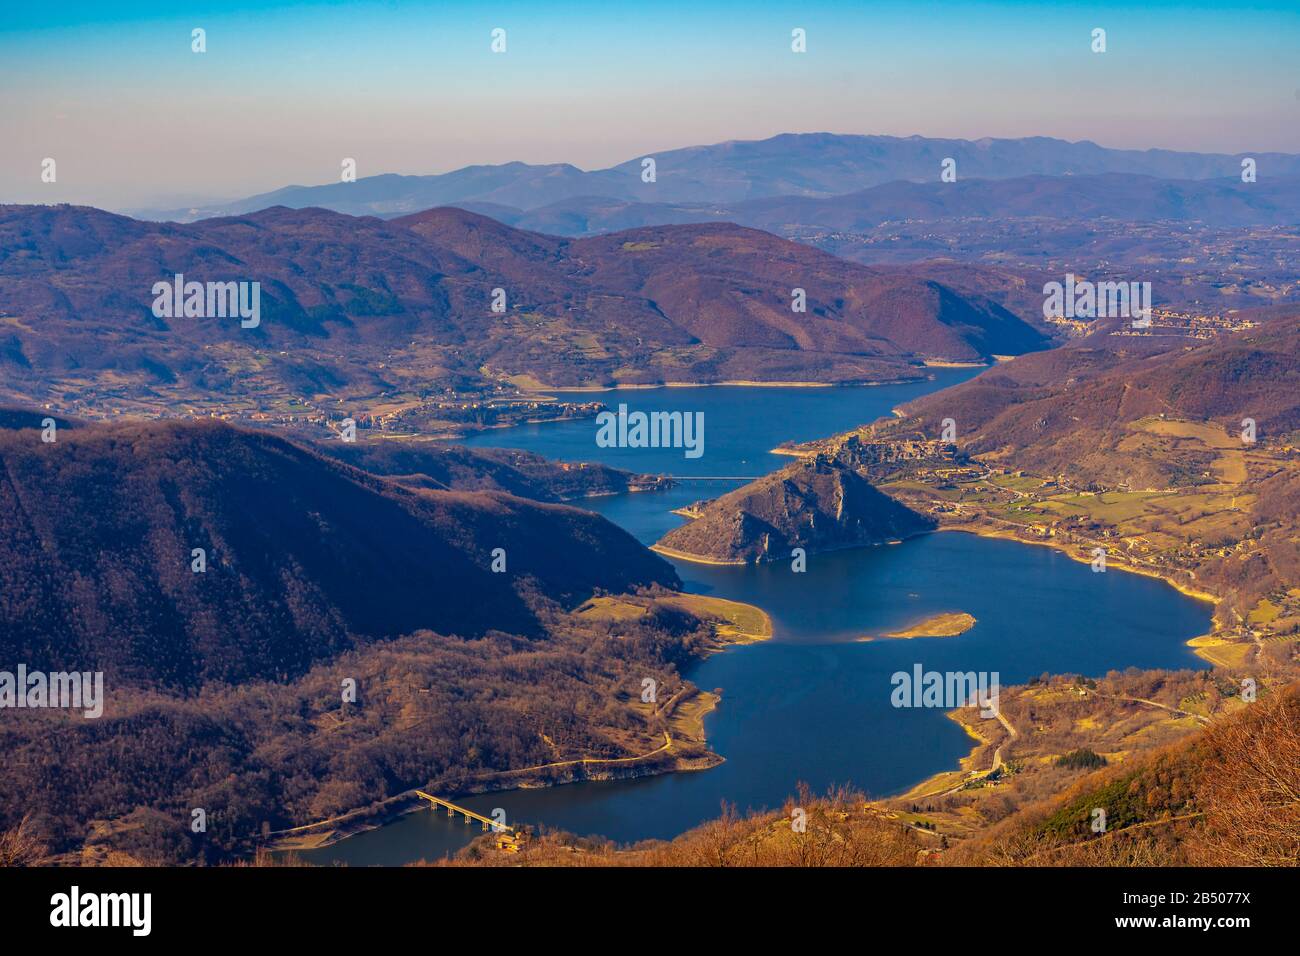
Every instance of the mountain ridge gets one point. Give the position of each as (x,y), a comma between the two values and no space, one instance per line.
(363,309)
(304,557)
(1222,203)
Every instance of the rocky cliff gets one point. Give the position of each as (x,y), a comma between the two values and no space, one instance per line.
(816,504)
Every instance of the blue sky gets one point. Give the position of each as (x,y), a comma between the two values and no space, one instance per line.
(133,117)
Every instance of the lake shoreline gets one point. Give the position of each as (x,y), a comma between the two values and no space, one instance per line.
(461,433)
(699,559)
(648,765)
(1198,644)
(688,711)
(391,809)
(1116,562)
(334,831)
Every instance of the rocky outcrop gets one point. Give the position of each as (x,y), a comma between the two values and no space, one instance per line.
(817,504)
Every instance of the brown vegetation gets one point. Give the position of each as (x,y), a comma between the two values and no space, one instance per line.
(224,689)
(1229,795)
(356,311)
(21,846)
(1250,787)
(838,830)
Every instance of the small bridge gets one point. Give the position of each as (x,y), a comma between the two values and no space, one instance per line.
(453,809)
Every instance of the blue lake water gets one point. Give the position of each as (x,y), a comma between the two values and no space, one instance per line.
(813,704)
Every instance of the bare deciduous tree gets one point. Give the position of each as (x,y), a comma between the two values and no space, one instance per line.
(1250,788)
(21,845)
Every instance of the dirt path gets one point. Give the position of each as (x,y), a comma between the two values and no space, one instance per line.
(1200,718)
(1012,732)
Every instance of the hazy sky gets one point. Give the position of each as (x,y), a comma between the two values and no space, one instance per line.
(111,90)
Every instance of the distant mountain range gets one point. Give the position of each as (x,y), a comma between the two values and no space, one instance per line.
(363,307)
(1222,203)
(1022,210)
(792,164)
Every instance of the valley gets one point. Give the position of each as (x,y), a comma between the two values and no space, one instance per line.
(1201,514)
(506,604)
(766,726)
(593,440)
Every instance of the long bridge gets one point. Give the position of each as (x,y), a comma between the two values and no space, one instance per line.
(453,809)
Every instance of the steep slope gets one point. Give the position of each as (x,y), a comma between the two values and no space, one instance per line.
(1071,411)
(738,292)
(430,464)
(1226,797)
(813,504)
(1141,447)
(305,557)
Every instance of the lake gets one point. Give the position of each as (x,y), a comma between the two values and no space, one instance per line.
(813,704)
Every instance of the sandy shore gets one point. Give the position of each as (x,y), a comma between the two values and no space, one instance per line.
(693,558)
(938,625)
